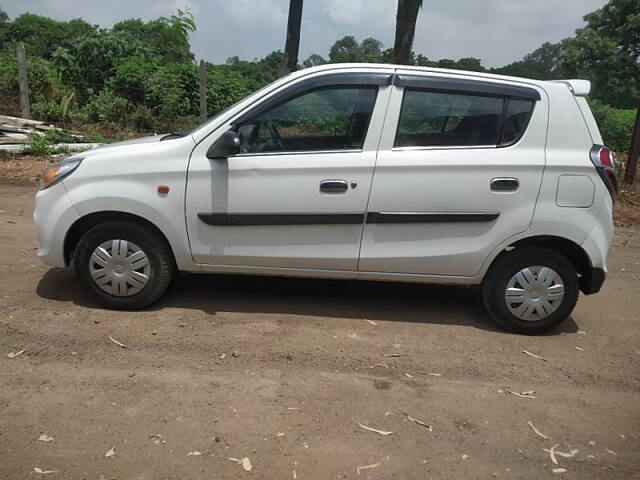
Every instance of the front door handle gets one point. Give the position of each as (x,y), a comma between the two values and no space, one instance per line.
(334,186)
(505,184)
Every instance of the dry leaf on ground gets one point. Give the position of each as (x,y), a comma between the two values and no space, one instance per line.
(552,453)
(381,432)
(528,394)
(120,344)
(380,364)
(536,431)
(366,467)
(244,461)
(111,452)
(43,472)
(419,422)
(570,454)
(526,352)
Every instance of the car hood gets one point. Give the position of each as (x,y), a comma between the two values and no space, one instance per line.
(114,147)
(134,141)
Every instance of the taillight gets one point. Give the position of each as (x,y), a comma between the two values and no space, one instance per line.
(602,159)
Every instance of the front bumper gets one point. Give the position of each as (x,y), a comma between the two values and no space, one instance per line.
(53,215)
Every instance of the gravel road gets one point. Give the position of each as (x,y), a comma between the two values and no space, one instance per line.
(288,372)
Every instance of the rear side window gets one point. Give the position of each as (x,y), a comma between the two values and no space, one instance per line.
(443,119)
(448,119)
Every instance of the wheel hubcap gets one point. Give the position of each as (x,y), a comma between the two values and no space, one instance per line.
(534,293)
(120,267)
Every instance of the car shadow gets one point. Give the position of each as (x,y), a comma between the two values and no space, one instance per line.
(349,299)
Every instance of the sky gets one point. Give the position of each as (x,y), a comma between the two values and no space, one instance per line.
(496,31)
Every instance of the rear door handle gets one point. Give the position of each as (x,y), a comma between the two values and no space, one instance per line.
(505,184)
(334,186)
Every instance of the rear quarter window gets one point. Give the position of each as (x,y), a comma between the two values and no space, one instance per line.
(516,119)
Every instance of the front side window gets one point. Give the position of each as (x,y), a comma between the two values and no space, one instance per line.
(435,119)
(328,118)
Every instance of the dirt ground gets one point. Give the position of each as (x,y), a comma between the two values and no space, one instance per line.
(283,371)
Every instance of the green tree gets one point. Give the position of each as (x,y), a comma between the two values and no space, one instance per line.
(371,50)
(544,63)
(225,87)
(345,50)
(42,35)
(89,62)
(313,60)
(165,37)
(607,51)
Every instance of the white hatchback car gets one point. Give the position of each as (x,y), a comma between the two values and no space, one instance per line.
(353,171)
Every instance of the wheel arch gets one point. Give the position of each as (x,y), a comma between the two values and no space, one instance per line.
(573,252)
(86,222)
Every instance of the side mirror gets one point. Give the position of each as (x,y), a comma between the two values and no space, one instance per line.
(226,146)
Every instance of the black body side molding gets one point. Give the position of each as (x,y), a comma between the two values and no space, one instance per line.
(245,219)
(417,217)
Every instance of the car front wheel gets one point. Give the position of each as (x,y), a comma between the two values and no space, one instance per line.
(125,265)
(530,290)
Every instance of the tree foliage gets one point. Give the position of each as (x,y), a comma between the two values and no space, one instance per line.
(607,51)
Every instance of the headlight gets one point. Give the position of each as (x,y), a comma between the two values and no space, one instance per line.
(56,172)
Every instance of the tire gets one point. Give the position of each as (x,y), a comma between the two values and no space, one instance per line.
(129,292)
(502,274)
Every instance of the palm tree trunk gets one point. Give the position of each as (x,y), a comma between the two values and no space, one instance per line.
(405,30)
(292,45)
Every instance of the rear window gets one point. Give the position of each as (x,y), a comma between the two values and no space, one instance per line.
(442,119)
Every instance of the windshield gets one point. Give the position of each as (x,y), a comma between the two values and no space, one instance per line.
(257,93)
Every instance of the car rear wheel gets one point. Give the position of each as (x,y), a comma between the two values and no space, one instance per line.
(125,265)
(530,290)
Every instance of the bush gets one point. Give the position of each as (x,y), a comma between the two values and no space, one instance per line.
(616,125)
(107,107)
(173,92)
(48,110)
(225,87)
(40,145)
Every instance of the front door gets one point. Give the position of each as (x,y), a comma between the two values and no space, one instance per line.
(295,196)
(458,172)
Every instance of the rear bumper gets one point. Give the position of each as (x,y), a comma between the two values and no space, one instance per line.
(592,281)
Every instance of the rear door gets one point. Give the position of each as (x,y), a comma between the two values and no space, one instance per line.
(296,195)
(458,172)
